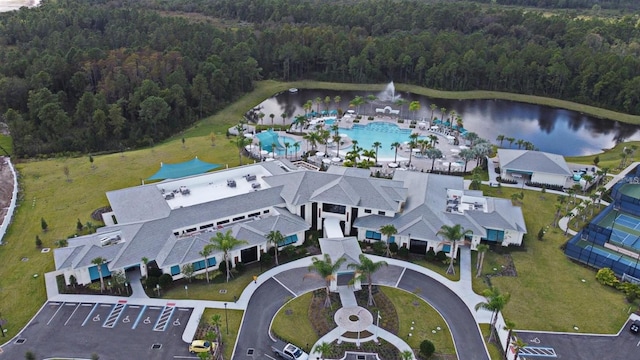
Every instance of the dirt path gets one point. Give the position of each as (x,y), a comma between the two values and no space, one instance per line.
(6,186)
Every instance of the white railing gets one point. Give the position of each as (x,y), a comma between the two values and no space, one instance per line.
(12,206)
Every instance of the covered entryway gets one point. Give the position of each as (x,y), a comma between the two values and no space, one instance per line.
(249,255)
(417,247)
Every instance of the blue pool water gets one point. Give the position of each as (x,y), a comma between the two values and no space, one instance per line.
(385,133)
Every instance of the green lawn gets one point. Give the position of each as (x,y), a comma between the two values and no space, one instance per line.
(548,293)
(235,318)
(45,192)
(6,145)
(217,290)
(292,321)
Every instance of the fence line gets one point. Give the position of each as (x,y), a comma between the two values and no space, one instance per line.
(12,206)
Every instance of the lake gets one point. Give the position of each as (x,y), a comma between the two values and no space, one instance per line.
(553,130)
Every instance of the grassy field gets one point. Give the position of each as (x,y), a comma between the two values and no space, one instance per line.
(6,145)
(292,321)
(609,158)
(46,192)
(548,292)
(200,290)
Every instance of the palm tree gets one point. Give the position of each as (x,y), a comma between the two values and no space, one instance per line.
(356,102)
(467,155)
(98,262)
(272,116)
(206,251)
(414,107)
(307,106)
(433,140)
(510,140)
(325,135)
(433,154)
(370,99)
(495,303)
(327,100)
(296,145)
(412,144)
(433,107)
(388,231)
(283,115)
(443,113)
(324,349)
(376,146)
(519,142)
(261,115)
(453,234)
(518,345)
(400,103)
(336,138)
(366,268)
(299,121)
(325,269)
(318,102)
(225,242)
(337,99)
(395,146)
(216,321)
(406,355)
(482,250)
(452,114)
(275,238)
(286,149)
(501,138)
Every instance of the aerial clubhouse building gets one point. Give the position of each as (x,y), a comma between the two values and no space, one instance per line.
(168,224)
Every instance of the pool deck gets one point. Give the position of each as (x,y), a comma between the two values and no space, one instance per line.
(418,163)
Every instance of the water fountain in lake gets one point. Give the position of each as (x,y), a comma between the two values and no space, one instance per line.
(389,94)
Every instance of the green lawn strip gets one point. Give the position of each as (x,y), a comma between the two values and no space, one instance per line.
(6,144)
(292,323)
(495,352)
(438,267)
(413,311)
(548,293)
(217,290)
(230,333)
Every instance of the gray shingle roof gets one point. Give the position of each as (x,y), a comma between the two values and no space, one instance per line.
(346,247)
(533,161)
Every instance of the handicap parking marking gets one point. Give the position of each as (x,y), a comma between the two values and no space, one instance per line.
(98,315)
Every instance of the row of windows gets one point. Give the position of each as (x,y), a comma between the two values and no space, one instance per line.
(494,235)
(291,239)
(198,265)
(374,235)
(219,223)
(369,211)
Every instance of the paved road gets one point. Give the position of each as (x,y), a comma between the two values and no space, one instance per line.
(624,346)
(272,294)
(254,332)
(78,330)
(466,336)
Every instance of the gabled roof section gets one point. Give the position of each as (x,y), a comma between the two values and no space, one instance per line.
(306,186)
(346,247)
(533,161)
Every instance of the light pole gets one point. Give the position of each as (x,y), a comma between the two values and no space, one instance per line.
(158,289)
(186,290)
(226,317)
(126,285)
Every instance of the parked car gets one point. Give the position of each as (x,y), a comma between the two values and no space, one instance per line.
(290,352)
(635,326)
(198,346)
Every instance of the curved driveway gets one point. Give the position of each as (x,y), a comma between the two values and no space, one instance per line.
(254,341)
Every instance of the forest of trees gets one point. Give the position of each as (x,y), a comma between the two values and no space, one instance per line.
(105,75)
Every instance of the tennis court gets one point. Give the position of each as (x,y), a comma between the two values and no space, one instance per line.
(626,239)
(628,221)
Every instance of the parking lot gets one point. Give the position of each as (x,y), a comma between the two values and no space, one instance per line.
(112,331)
(542,345)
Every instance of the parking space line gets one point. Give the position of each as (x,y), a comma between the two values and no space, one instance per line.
(163,319)
(113,317)
(73,313)
(55,313)
(90,313)
(135,324)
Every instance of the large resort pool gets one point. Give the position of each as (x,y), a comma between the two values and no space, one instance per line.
(380,131)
